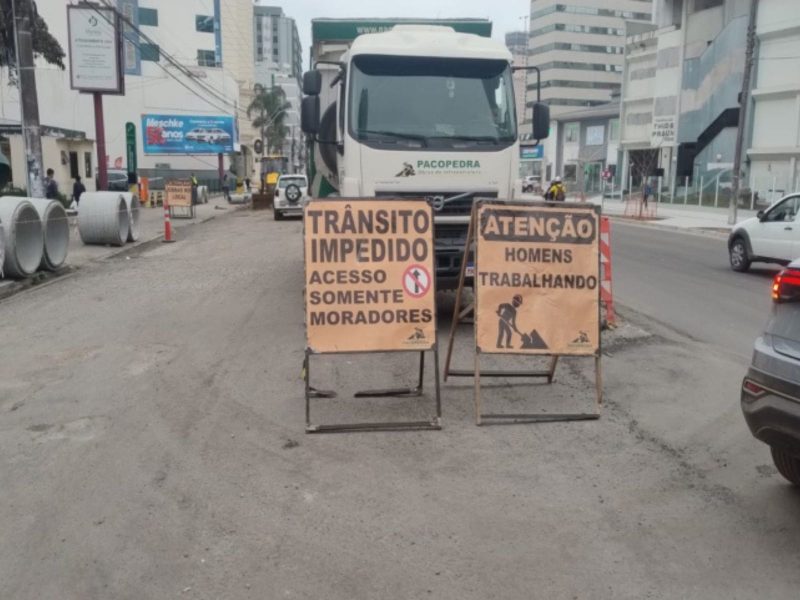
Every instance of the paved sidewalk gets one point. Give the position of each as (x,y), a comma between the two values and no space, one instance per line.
(677,216)
(151,227)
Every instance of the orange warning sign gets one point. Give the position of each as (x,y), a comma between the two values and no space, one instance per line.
(179,193)
(369,275)
(537,281)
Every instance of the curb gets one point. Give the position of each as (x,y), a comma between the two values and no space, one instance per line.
(42,279)
(674,228)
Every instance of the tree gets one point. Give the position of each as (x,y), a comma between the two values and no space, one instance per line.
(270,108)
(44,44)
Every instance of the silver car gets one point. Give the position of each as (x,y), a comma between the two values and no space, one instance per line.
(291,195)
(771,390)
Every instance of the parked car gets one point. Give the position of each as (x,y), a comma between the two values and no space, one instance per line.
(771,390)
(291,194)
(117,181)
(773,236)
(530,183)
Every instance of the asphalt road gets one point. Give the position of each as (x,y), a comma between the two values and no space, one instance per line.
(152,446)
(683,280)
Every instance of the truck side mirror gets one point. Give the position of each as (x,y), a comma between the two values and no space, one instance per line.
(309,115)
(312,83)
(541,120)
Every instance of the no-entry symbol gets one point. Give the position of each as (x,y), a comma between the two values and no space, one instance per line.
(416,281)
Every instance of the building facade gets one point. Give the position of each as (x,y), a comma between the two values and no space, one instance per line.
(774,154)
(180,58)
(278,62)
(680,106)
(579,45)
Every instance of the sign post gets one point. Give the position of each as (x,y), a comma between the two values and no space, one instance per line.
(179,195)
(537,291)
(95,65)
(369,268)
(130,152)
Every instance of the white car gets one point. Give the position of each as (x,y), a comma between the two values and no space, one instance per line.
(773,236)
(291,195)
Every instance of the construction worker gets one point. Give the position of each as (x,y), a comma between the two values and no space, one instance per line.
(194,189)
(556,192)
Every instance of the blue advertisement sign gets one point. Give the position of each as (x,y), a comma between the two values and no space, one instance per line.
(187,134)
(531,152)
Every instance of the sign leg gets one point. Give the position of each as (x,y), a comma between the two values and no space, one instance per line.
(551,371)
(421,381)
(477,386)
(307,385)
(462,275)
(598,381)
(437,386)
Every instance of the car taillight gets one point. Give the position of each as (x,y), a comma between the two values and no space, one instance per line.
(786,286)
(752,388)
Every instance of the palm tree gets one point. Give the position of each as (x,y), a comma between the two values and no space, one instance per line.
(270,108)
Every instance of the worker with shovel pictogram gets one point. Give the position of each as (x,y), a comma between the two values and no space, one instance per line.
(508,321)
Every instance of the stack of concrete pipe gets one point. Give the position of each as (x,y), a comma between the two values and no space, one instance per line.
(34,234)
(202,194)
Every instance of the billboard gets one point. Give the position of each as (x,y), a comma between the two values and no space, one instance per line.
(187,134)
(94,50)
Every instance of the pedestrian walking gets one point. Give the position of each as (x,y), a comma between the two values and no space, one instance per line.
(647,191)
(194,189)
(50,186)
(226,191)
(77,189)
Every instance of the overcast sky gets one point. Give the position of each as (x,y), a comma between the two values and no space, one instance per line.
(506,15)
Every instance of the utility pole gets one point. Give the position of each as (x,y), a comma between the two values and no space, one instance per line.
(744,101)
(22,14)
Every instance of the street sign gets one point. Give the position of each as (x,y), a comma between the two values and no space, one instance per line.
(130,151)
(179,193)
(369,286)
(537,280)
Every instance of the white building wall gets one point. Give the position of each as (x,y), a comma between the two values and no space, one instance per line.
(214,91)
(775,151)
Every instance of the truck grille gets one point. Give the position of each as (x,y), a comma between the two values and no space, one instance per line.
(461,206)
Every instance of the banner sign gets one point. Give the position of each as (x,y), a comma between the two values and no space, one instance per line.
(179,193)
(187,134)
(131,54)
(369,275)
(130,151)
(537,280)
(94,50)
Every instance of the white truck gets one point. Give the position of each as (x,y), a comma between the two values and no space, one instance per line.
(414,109)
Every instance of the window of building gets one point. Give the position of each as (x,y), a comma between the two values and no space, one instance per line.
(570,172)
(577,48)
(87,164)
(206,58)
(613,130)
(571,132)
(74,168)
(148,16)
(204,23)
(560,64)
(150,52)
(601,12)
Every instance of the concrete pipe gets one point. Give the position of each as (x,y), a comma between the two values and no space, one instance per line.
(202,194)
(132,202)
(56,232)
(24,239)
(103,218)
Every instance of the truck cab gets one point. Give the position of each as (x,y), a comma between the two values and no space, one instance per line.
(417,111)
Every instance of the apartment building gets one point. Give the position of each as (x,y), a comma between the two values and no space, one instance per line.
(579,46)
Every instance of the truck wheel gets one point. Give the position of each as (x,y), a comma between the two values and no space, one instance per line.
(737,254)
(787,465)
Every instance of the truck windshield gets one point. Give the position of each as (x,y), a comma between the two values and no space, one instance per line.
(436,102)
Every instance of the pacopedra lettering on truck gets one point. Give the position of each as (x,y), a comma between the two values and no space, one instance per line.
(537,279)
(369,275)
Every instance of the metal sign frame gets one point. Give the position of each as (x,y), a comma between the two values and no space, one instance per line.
(460,315)
(416,391)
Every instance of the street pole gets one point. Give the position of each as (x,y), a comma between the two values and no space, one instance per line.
(22,11)
(744,100)
(100,134)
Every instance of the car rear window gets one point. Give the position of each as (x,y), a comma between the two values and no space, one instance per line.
(298,181)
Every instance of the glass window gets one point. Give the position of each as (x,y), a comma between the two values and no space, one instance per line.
(204,23)
(150,52)
(572,132)
(148,16)
(613,130)
(570,172)
(87,164)
(283,182)
(785,211)
(206,58)
(431,102)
